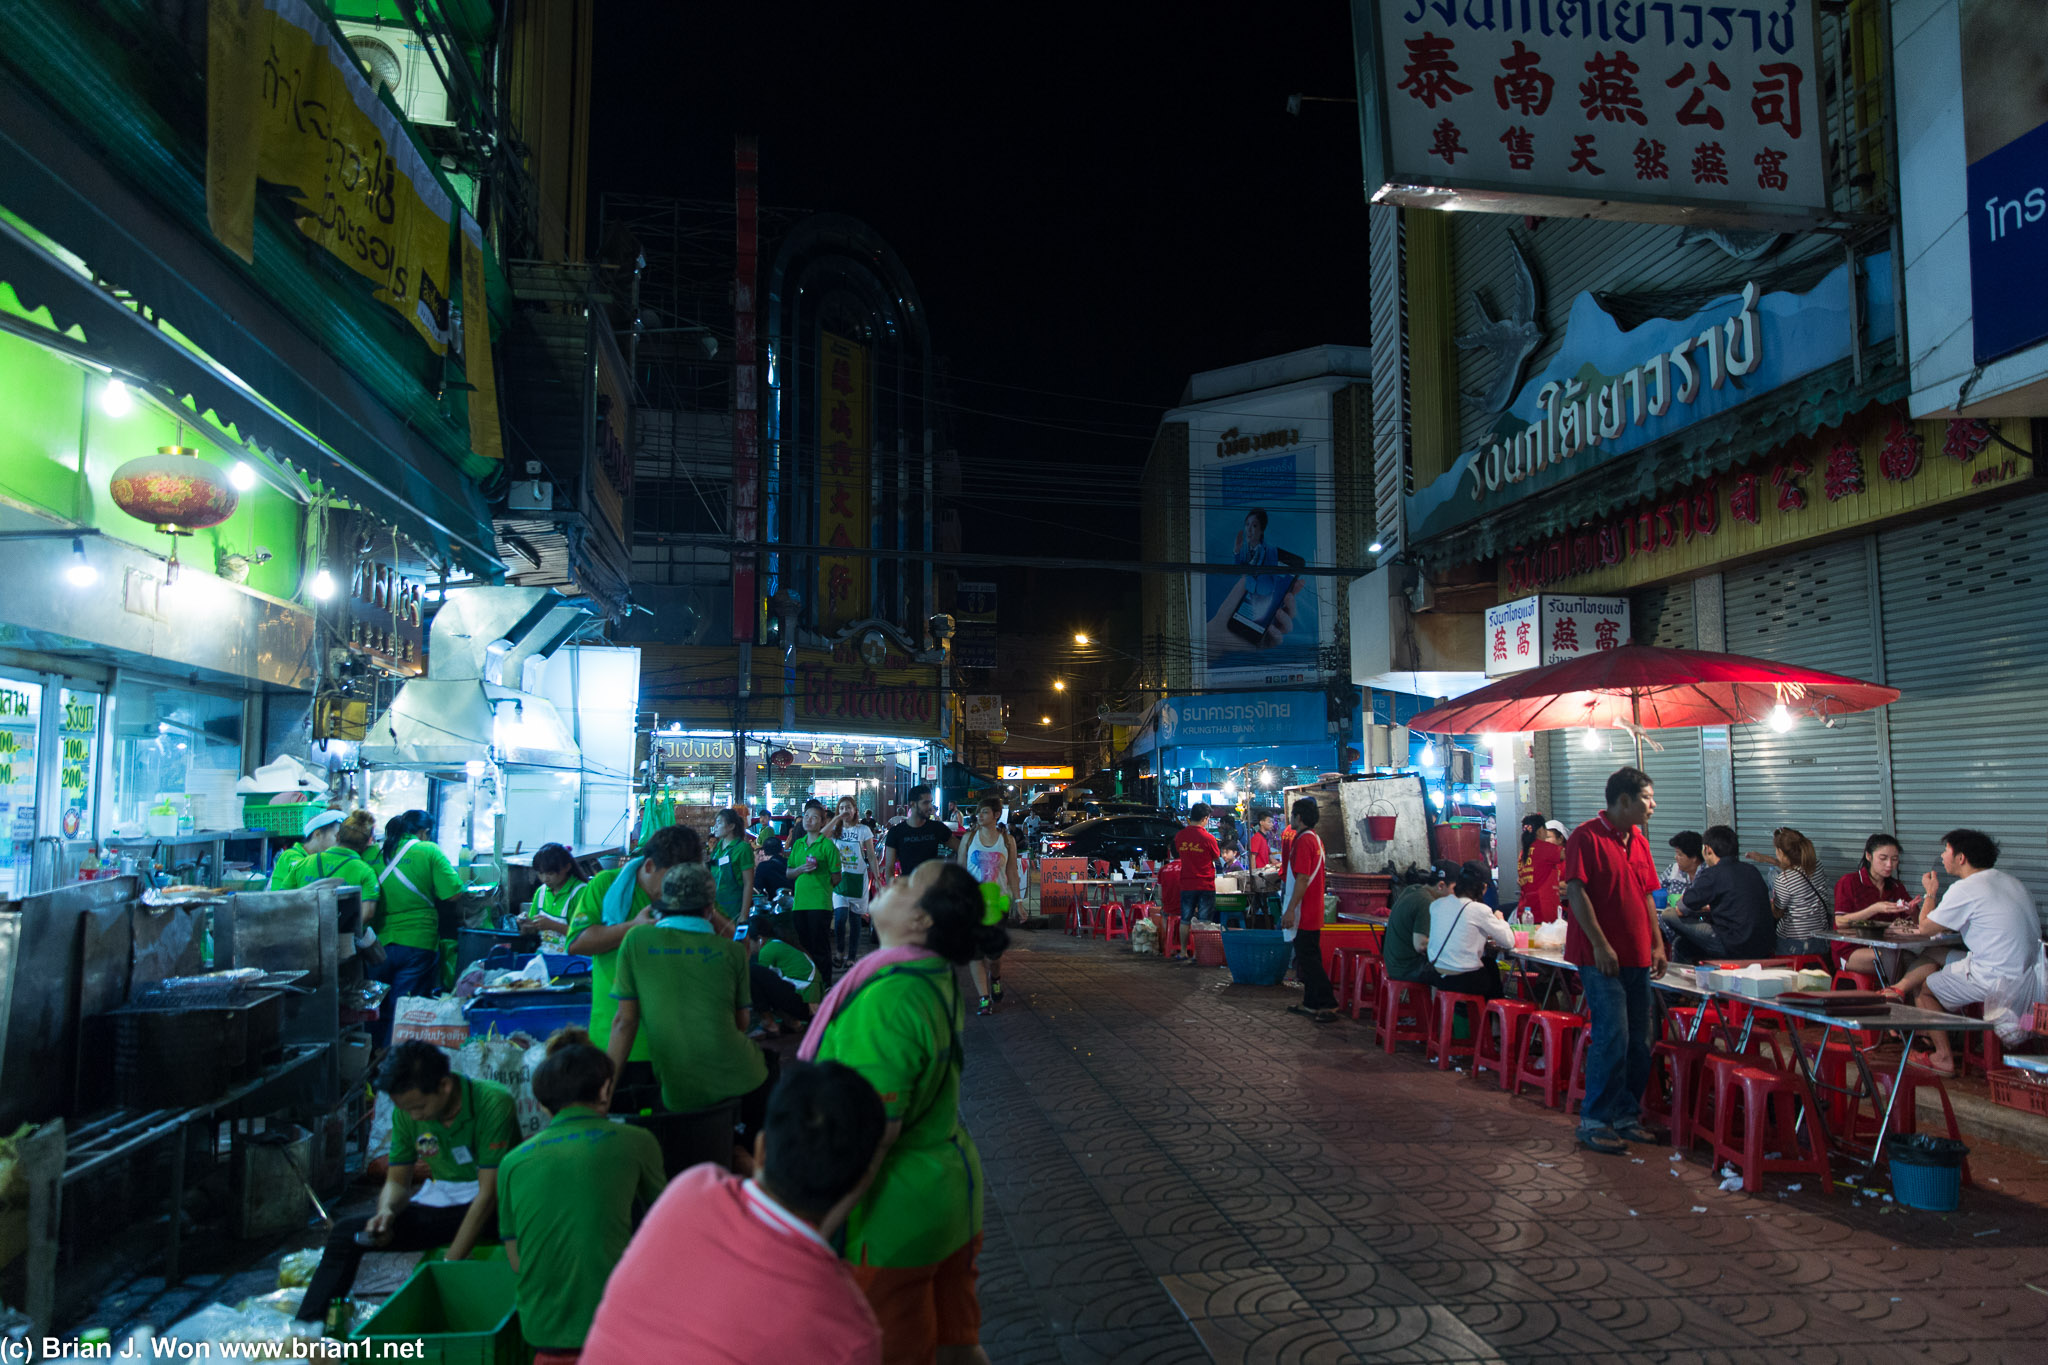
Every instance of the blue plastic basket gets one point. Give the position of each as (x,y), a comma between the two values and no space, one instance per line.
(1257,957)
(536,1022)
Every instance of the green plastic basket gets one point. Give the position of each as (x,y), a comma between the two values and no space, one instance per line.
(258,813)
(459,1313)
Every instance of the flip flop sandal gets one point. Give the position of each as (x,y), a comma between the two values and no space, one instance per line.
(1605,1141)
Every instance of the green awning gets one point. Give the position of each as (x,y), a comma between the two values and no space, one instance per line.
(1822,399)
(256,365)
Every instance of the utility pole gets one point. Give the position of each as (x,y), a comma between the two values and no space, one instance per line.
(746,444)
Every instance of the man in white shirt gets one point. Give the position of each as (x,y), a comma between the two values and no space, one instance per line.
(2001,966)
(1460,927)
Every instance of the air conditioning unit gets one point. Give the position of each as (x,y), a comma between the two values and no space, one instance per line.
(394,59)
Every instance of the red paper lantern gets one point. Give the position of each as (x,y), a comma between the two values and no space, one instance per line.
(173,490)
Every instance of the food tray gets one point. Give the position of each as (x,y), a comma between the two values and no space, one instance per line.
(2014,1090)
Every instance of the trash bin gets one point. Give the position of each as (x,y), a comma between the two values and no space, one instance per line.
(1257,957)
(1927,1171)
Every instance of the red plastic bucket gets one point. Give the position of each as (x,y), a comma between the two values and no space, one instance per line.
(1380,828)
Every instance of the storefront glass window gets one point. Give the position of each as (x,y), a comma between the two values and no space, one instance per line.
(170,742)
(21,712)
(78,733)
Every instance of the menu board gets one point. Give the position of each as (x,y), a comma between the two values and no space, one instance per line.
(78,733)
(21,708)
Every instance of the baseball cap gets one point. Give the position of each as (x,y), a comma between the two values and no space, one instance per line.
(686,890)
(1557,825)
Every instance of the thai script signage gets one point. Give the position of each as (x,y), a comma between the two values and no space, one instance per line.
(1244,717)
(287,102)
(1837,481)
(1550,629)
(1608,391)
(1603,108)
(2005,140)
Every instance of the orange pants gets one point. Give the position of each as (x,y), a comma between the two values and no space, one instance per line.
(924,1307)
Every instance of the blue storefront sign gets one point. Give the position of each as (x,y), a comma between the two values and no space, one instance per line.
(1239,718)
(1610,391)
(2009,245)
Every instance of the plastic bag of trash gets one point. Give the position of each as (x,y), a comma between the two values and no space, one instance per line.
(296,1270)
(285,1301)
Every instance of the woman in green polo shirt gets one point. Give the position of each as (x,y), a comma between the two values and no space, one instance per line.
(896,1019)
(333,849)
(561,882)
(615,901)
(732,865)
(417,877)
(814,871)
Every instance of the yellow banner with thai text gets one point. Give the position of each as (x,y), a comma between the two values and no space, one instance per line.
(288,104)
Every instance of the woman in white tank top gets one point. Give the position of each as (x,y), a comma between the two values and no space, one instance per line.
(990,854)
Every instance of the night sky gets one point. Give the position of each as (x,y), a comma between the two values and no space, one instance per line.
(1094,201)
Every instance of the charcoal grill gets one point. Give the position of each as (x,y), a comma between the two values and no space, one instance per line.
(179,1048)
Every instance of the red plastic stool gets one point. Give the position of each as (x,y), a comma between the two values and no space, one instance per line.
(1087,919)
(1674,1086)
(1402,1015)
(1366,975)
(1513,1017)
(1575,1092)
(1706,1100)
(1980,1052)
(1170,942)
(1116,921)
(1775,1114)
(1343,973)
(1443,1014)
(1846,980)
(1679,1021)
(1548,1068)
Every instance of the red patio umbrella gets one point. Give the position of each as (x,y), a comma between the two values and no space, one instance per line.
(1643,687)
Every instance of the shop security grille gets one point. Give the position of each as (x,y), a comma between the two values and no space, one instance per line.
(1816,609)
(1965,603)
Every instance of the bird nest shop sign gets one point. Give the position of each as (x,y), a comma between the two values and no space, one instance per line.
(1652,112)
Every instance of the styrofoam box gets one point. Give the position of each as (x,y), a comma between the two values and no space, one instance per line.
(1762,985)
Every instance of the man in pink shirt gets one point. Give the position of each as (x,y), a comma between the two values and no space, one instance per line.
(773,1289)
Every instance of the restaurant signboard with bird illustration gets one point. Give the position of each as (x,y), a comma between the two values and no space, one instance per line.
(1609,391)
(1641,110)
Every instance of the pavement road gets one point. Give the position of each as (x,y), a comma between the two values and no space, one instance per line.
(1180,1171)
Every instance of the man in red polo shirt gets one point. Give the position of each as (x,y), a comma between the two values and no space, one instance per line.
(1609,873)
(1198,851)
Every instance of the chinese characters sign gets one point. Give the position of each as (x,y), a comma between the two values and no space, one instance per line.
(843,479)
(1549,629)
(1641,107)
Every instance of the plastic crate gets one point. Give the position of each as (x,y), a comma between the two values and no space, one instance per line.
(537,1022)
(1206,941)
(2011,1088)
(1257,957)
(457,1313)
(258,813)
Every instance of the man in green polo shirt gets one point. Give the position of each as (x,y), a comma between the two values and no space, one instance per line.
(566,1196)
(415,880)
(688,989)
(463,1130)
(617,900)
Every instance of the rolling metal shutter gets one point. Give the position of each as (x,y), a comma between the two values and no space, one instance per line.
(1578,776)
(1815,608)
(1965,611)
(1664,617)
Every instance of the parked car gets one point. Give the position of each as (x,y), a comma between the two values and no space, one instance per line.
(1113,839)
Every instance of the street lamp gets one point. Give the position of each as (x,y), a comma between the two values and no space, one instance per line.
(1059,684)
(1081,639)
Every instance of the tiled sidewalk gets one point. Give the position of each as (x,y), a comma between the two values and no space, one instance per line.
(1179,1170)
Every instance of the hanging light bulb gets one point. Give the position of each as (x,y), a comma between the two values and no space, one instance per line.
(1593,741)
(242,476)
(115,399)
(323,586)
(1373,548)
(80,573)
(1781,719)
(1428,753)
